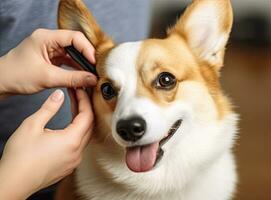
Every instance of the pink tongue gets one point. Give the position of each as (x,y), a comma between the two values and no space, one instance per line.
(141,159)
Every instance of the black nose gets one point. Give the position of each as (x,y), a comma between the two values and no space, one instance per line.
(131,129)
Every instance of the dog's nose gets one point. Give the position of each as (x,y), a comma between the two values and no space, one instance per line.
(131,129)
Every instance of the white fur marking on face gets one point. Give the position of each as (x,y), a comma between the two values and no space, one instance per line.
(121,68)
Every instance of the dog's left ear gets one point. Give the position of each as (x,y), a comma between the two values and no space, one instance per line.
(205,26)
(74,15)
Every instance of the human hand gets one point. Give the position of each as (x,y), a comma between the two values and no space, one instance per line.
(33,65)
(35,157)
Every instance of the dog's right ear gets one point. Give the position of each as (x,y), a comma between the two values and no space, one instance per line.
(74,15)
(205,26)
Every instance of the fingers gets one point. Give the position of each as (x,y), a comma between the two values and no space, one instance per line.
(58,77)
(83,122)
(55,41)
(49,108)
(66,38)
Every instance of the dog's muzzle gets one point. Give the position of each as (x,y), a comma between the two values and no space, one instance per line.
(144,158)
(131,129)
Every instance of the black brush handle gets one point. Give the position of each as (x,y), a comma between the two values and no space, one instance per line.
(80,59)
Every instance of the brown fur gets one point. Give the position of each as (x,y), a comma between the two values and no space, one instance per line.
(75,9)
(157,56)
(174,54)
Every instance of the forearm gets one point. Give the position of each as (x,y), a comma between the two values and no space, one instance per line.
(13,184)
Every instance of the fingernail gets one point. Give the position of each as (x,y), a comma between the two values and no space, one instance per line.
(91,79)
(57,95)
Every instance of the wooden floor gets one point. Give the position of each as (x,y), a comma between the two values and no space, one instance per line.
(246,77)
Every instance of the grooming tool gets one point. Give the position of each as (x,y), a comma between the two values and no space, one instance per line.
(80,59)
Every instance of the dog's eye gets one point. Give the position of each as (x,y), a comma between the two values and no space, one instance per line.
(108,91)
(165,80)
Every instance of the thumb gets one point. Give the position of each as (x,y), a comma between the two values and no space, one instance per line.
(69,78)
(49,108)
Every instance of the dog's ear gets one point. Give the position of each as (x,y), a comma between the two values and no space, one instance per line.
(74,15)
(205,26)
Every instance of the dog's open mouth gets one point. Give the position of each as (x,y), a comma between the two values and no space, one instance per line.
(144,158)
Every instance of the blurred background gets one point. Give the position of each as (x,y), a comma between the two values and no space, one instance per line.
(246,78)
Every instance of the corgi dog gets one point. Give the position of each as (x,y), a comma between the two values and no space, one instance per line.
(164,128)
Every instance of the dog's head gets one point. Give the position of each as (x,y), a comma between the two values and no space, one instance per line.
(151,94)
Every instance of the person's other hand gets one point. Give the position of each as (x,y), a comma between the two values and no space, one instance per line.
(35,157)
(33,65)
